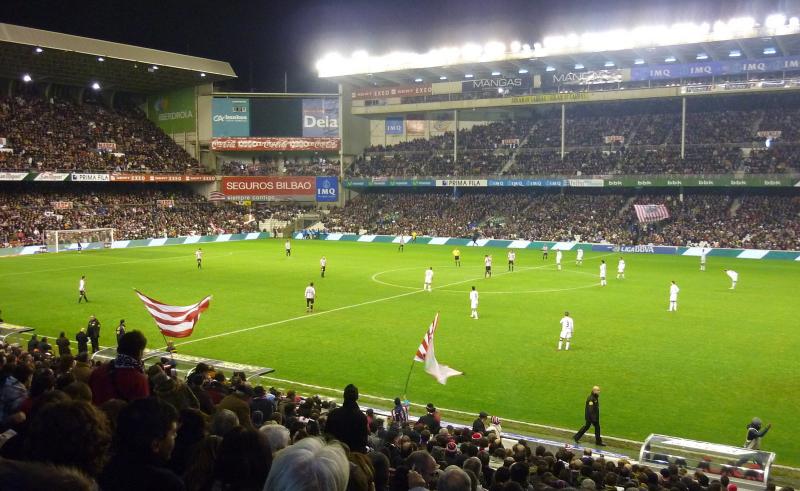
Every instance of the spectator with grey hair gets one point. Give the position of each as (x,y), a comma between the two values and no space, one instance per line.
(309,465)
(277,436)
(224,420)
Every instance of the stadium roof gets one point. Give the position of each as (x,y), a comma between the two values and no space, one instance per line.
(741,38)
(78,61)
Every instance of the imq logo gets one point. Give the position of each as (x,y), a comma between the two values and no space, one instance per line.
(327,189)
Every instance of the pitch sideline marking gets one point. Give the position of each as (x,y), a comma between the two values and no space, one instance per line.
(337,309)
(91,266)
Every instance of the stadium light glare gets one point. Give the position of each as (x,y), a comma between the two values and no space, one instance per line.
(471,51)
(609,64)
(526,48)
(468,75)
(770,50)
(794,22)
(494,49)
(95,86)
(579,66)
(101,59)
(38,50)
(701,56)
(638,61)
(735,53)
(27,78)
(495,74)
(203,75)
(775,21)
(417,80)
(550,68)
(515,46)
(670,59)
(522,71)
(443,77)
(537,46)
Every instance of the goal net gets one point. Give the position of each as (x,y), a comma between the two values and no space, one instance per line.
(73,240)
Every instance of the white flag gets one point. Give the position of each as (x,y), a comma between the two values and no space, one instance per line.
(425,354)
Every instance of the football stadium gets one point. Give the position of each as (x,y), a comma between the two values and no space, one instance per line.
(428,276)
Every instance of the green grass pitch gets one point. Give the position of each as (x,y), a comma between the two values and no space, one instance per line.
(701,372)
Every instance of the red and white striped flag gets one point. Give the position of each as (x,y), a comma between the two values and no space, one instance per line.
(426,355)
(651,213)
(174,321)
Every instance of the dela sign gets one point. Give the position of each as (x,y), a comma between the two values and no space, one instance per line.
(321,118)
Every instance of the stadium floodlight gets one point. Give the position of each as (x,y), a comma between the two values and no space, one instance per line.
(701,56)
(522,71)
(770,50)
(101,59)
(670,59)
(417,80)
(154,67)
(443,77)
(38,50)
(515,46)
(609,64)
(550,68)
(27,78)
(468,75)
(794,22)
(735,53)
(471,51)
(203,75)
(95,86)
(494,50)
(526,48)
(775,21)
(579,66)
(495,74)
(638,61)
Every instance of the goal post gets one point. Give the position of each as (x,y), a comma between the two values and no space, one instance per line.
(78,239)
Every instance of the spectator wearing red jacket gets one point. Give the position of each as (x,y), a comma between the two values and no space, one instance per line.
(122,378)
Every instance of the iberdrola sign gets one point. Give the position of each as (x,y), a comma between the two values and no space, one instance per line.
(174,111)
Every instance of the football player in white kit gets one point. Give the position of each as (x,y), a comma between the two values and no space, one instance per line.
(734,276)
(703,253)
(487,262)
(579,258)
(673,297)
(473,303)
(602,272)
(567,325)
(428,279)
(621,269)
(559,256)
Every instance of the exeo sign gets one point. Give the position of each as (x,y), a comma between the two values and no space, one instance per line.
(268,186)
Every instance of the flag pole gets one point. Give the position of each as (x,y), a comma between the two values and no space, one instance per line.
(408,378)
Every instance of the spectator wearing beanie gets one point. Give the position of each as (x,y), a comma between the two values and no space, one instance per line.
(347,423)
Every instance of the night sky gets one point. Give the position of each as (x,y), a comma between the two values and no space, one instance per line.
(264,39)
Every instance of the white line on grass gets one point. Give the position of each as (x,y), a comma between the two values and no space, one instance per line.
(102,265)
(337,309)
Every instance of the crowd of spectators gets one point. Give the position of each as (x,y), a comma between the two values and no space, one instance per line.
(720,220)
(58,135)
(723,135)
(133,211)
(271,166)
(67,422)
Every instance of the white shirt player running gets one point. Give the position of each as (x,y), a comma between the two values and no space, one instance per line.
(81,285)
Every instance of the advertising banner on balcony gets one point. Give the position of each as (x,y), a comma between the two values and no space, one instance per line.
(275,144)
(321,117)
(415,125)
(588,77)
(173,112)
(51,176)
(386,92)
(495,83)
(715,68)
(394,125)
(327,189)
(258,188)
(230,117)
